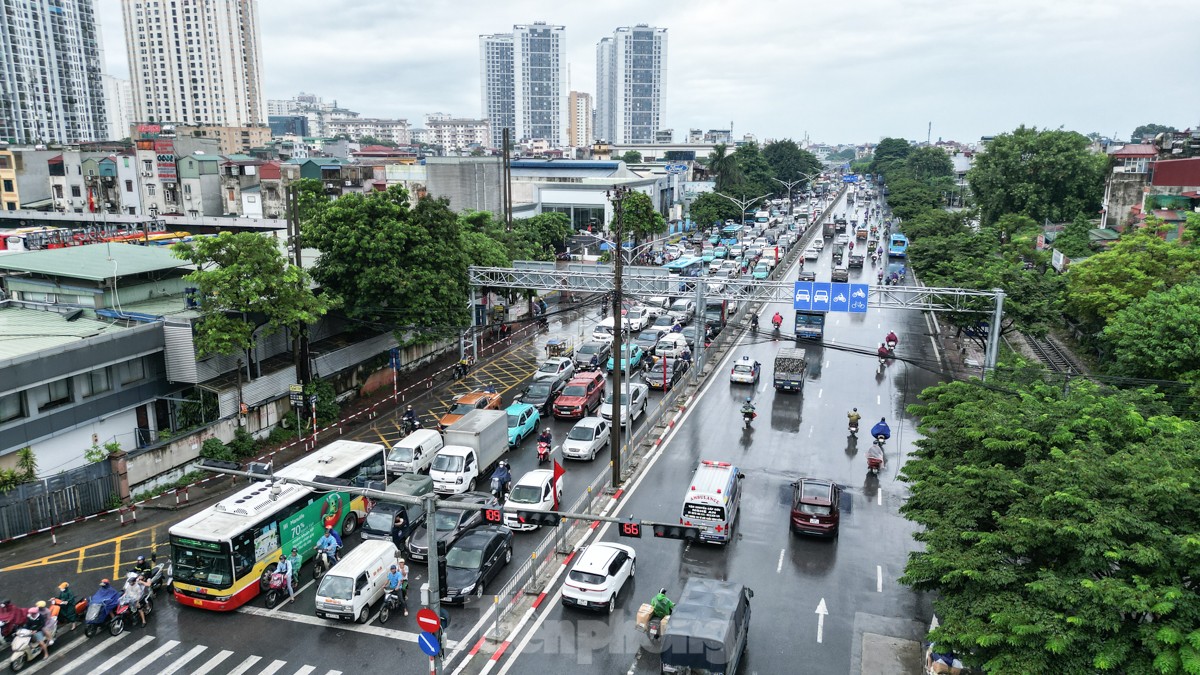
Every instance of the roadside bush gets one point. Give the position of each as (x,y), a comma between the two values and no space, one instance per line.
(242,445)
(213,448)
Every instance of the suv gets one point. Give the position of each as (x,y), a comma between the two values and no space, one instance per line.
(816,505)
(581,396)
(474,400)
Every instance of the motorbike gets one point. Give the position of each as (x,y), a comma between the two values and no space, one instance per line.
(754,323)
(748,417)
(102,613)
(392,600)
(891,345)
(277,589)
(854,428)
(321,564)
(25,649)
(158,575)
(408,426)
(543,452)
(653,626)
(498,489)
(875,459)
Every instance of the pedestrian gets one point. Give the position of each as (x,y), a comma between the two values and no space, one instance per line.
(403,583)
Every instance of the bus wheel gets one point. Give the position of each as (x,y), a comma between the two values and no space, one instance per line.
(350,524)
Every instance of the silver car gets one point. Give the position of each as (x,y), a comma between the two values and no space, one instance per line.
(588,437)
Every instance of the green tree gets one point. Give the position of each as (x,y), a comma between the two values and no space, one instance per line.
(928,163)
(1049,174)
(632,157)
(1138,264)
(394,264)
(1074,241)
(860,166)
(845,155)
(247,290)
(1149,131)
(1057,529)
(788,162)
(723,165)
(640,218)
(910,197)
(709,209)
(27,464)
(890,155)
(755,171)
(1158,336)
(371,140)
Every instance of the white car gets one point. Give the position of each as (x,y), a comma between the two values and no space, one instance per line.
(635,319)
(588,437)
(671,345)
(598,576)
(556,370)
(682,310)
(535,491)
(745,371)
(819,242)
(631,406)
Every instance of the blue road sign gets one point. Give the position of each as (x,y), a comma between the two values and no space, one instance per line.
(839,298)
(858,298)
(820,299)
(802,298)
(850,178)
(394,358)
(429,644)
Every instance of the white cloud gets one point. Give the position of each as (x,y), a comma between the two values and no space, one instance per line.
(841,71)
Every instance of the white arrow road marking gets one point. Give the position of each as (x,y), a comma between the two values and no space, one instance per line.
(821,612)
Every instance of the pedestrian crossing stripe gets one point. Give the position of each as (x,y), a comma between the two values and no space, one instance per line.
(158,661)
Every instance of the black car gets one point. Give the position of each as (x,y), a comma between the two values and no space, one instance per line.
(583,355)
(666,373)
(807,275)
(689,334)
(648,338)
(541,395)
(474,560)
(451,524)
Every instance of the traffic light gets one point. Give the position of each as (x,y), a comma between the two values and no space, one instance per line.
(677,532)
(495,516)
(443,589)
(630,528)
(548,518)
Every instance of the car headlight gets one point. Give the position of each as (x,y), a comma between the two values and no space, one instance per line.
(466,589)
(458,480)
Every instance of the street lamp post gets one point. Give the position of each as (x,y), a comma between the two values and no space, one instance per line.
(789,184)
(742,203)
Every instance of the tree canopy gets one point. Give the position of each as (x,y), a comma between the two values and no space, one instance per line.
(889,154)
(1058,528)
(1047,174)
(1158,336)
(788,163)
(632,157)
(724,166)
(1149,131)
(709,209)
(755,172)
(244,283)
(639,218)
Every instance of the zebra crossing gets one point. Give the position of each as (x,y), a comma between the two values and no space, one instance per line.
(152,655)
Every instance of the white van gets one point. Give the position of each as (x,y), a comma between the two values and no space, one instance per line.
(356,582)
(712,501)
(603,332)
(414,452)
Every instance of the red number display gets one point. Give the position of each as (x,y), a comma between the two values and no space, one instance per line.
(631,528)
(493,515)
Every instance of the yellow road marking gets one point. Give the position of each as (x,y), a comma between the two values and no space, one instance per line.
(79,565)
(116,567)
(81,554)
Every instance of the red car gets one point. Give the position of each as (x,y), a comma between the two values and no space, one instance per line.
(581,396)
(816,507)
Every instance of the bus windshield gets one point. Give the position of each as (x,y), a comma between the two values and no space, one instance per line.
(201,562)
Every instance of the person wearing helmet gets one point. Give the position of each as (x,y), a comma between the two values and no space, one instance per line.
(66,604)
(410,418)
(135,591)
(35,622)
(396,578)
(546,436)
(661,605)
(854,418)
(11,615)
(291,566)
(503,475)
(747,407)
(328,544)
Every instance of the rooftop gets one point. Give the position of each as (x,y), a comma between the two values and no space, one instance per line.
(94,262)
(25,331)
(1136,150)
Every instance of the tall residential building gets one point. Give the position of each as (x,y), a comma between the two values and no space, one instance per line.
(540,82)
(118,103)
(197,62)
(605,93)
(496,76)
(50,68)
(631,84)
(579,129)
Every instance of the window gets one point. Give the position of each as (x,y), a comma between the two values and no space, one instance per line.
(12,406)
(129,186)
(58,192)
(150,189)
(54,394)
(4,163)
(96,382)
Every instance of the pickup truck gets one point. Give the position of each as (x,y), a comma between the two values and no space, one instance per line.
(472,447)
(790,367)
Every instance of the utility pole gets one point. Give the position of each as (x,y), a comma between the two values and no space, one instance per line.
(507,180)
(617,195)
(292,209)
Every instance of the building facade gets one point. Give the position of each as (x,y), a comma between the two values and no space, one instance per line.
(196,63)
(50,73)
(631,83)
(391,130)
(118,104)
(579,128)
(496,76)
(540,82)
(455,135)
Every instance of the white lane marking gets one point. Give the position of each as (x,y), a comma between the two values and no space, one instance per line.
(827,364)
(213,662)
(879,578)
(305,670)
(878,399)
(599,532)
(821,612)
(810,431)
(879,497)
(779,567)
(358,628)
(124,654)
(820,392)
(246,665)
(273,668)
(298,591)
(77,663)
(184,660)
(152,657)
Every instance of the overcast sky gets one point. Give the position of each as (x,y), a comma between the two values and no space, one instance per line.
(836,71)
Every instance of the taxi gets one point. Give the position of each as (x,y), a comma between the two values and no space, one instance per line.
(745,371)
(479,399)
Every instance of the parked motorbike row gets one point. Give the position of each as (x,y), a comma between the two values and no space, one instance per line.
(108,609)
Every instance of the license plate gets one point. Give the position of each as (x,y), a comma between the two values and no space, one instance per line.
(814,520)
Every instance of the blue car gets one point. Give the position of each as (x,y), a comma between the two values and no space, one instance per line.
(523,420)
(633,352)
(761,271)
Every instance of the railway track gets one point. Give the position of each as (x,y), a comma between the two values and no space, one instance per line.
(1051,354)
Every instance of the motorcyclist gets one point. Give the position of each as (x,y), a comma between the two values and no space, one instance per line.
(410,417)
(328,544)
(880,275)
(503,475)
(395,583)
(854,417)
(142,566)
(884,352)
(594,362)
(677,327)
(135,590)
(891,338)
(292,563)
(881,428)
(546,437)
(747,407)
(35,622)
(777,320)
(491,389)
(11,615)
(66,602)
(753,322)
(661,605)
